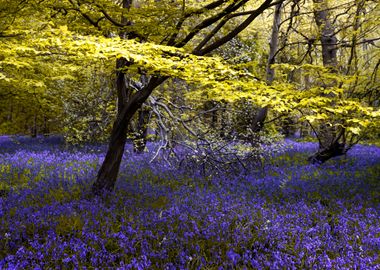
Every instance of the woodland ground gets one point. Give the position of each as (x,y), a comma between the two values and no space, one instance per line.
(287,215)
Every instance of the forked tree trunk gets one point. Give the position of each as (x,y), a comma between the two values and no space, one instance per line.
(109,170)
(126,107)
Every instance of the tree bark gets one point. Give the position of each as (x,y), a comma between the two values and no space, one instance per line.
(109,170)
(273,45)
(34,127)
(333,150)
(327,34)
(107,175)
(141,132)
(258,123)
(328,136)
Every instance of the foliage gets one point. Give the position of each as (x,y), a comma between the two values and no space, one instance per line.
(44,66)
(88,114)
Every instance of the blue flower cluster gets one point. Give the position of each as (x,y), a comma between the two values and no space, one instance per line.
(290,215)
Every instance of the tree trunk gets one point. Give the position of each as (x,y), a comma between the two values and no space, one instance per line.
(333,150)
(273,45)
(10,115)
(328,136)
(109,170)
(34,127)
(45,129)
(258,123)
(107,174)
(327,34)
(141,132)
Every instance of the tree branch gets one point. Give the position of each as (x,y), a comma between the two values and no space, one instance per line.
(237,30)
(187,15)
(209,21)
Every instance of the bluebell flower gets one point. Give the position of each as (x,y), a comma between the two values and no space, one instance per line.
(233,257)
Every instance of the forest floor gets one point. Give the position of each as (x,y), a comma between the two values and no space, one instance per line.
(289,215)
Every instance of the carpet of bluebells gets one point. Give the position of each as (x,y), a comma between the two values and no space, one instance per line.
(287,215)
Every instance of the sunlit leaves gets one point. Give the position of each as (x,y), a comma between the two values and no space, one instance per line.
(50,59)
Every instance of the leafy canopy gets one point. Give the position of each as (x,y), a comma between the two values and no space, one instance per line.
(38,61)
